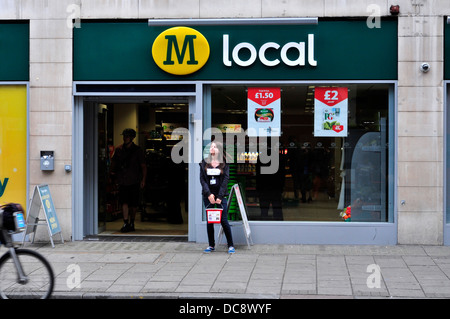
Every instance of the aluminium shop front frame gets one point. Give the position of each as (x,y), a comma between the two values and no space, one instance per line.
(127,60)
(85,196)
(285,232)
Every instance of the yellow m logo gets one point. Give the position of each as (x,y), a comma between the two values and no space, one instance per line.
(180,50)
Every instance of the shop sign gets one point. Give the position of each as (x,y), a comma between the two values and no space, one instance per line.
(180,50)
(330,50)
(14,50)
(299,47)
(447,50)
(42,198)
(49,209)
(330,111)
(264,112)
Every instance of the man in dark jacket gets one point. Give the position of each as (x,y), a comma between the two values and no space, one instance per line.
(270,188)
(129,168)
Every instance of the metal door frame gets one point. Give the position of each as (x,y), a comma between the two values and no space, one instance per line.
(84,199)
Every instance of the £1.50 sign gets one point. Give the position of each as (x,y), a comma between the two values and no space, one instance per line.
(263,113)
(330,111)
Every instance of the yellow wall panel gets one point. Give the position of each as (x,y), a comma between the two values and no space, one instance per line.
(13,144)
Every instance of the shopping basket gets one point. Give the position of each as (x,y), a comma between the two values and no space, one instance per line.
(213,215)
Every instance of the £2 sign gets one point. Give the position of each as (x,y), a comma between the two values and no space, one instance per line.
(331,96)
(330,111)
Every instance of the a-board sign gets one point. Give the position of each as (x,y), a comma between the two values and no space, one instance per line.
(236,191)
(42,198)
(242,209)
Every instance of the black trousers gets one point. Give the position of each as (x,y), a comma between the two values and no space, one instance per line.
(224,222)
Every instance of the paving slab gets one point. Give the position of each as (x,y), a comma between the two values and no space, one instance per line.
(176,269)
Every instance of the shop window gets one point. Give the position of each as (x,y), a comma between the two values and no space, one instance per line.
(338,179)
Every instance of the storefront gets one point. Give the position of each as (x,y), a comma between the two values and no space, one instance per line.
(259,86)
(14,52)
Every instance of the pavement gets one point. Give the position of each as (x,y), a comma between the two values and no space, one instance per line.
(177,269)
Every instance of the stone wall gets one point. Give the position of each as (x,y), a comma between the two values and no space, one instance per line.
(420,98)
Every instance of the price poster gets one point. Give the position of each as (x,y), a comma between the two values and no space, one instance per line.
(330,111)
(264,112)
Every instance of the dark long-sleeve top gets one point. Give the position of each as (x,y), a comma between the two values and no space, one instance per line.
(219,189)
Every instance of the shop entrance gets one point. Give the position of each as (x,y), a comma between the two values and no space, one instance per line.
(163,202)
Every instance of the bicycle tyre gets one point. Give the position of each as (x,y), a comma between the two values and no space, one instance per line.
(41,279)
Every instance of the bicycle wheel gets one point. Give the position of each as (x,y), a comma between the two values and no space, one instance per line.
(40,278)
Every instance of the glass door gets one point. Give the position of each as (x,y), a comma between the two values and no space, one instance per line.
(103,164)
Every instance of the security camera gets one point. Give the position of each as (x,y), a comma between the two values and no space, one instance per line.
(425,67)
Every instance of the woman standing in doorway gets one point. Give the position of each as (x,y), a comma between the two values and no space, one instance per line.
(214,175)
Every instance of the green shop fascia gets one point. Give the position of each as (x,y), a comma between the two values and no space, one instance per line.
(334,50)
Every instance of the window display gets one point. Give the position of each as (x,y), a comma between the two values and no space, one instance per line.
(317,177)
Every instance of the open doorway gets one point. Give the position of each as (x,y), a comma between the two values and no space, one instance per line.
(163,202)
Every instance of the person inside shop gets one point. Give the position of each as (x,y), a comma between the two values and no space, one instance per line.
(176,184)
(129,170)
(321,157)
(269,188)
(306,179)
(214,175)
